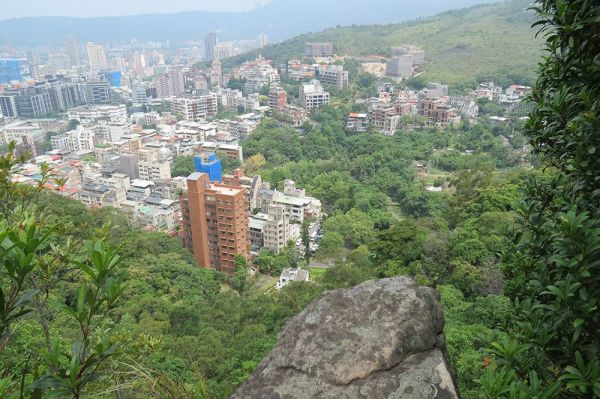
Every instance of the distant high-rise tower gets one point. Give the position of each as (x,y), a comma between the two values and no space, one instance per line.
(72,50)
(210,41)
(263,40)
(96,56)
(170,84)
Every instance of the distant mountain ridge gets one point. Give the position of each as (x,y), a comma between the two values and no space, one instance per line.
(279,19)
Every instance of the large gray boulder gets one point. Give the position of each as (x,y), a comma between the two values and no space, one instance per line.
(380,339)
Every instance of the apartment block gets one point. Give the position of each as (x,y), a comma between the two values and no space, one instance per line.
(94,195)
(19,130)
(170,84)
(98,92)
(333,75)
(231,99)
(27,102)
(384,118)
(195,108)
(83,138)
(277,97)
(312,95)
(215,222)
(357,122)
(290,114)
(96,56)
(228,150)
(281,214)
(154,164)
(279,230)
(92,113)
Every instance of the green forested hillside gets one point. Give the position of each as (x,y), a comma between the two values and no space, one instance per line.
(474,44)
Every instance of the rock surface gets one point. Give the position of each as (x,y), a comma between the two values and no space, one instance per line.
(380,339)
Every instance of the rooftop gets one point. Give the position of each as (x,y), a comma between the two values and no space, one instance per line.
(294,274)
(285,199)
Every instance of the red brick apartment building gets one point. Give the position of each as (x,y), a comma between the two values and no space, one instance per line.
(215,222)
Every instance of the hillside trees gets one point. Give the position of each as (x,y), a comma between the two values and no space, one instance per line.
(33,265)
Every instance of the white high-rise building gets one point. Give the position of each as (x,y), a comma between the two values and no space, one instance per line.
(262,40)
(72,50)
(170,84)
(96,56)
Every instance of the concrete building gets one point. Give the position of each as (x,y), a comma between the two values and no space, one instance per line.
(465,105)
(26,102)
(333,75)
(92,113)
(292,275)
(224,50)
(357,122)
(215,222)
(384,118)
(97,92)
(196,108)
(20,131)
(417,54)
(65,95)
(279,229)
(277,97)
(297,205)
(146,118)
(228,150)
(154,165)
(312,95)
(72,50)
(216,73)
(231,99)
(13,70)
(8,105)
(290,114)
(96,56)
(210,41)
(262,40)
(94,195)
(138,95)
(170,84)
(324,49)
(256,228)
(400,67)
(81,139)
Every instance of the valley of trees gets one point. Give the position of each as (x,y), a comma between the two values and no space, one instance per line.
(91,306)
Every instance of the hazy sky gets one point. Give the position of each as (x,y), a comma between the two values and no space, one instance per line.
(94,8)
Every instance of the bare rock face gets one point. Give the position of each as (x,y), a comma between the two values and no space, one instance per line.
(381,339)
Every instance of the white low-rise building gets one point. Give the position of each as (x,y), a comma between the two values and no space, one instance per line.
(92,113)
(292,275)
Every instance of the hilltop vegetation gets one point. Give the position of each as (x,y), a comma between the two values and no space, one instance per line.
(486,42)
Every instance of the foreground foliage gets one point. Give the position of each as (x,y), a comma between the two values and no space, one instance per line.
(553,347)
